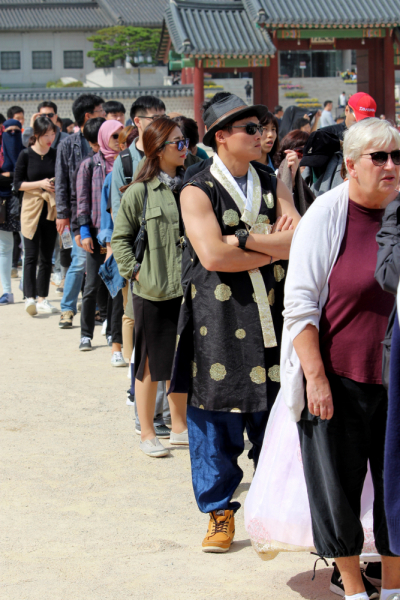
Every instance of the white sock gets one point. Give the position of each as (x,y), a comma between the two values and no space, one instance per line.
(386,593)
(360,596)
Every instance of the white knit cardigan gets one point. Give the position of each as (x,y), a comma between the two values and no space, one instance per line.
(314,251)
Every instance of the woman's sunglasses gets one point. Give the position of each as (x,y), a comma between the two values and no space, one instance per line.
(115,136)
(379,159)
(181,144)
(250,128)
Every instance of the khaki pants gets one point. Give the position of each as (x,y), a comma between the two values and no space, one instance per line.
(127,325)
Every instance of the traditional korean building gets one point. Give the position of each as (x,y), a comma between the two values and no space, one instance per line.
(246,35)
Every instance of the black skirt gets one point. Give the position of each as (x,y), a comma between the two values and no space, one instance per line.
(156,324)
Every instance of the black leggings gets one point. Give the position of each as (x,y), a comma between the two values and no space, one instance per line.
(115,312)
(335,458)
(40,246)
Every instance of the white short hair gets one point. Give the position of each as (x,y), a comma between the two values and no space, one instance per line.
(366,133)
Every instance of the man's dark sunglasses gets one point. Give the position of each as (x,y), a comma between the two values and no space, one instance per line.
(250,128)
(379,159)
(115,136)
(181,144)
(50,115)
(153,118)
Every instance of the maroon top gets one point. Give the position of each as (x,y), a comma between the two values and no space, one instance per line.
(355,316)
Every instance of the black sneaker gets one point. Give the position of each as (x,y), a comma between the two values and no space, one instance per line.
(337,586)
(373,572)
(85,345)
(130,399)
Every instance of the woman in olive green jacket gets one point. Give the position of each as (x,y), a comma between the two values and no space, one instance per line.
(157,291)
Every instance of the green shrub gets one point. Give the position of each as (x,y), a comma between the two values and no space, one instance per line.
(296,95)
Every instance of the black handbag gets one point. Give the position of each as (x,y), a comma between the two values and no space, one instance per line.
(14,207)
(3,210)
(140,243)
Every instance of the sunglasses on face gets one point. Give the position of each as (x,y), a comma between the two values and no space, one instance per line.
(250,128)
(379,159)
(153,118)
(50,115)
(115,136)
(180,144)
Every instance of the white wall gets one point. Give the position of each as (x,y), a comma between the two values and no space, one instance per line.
(39,40)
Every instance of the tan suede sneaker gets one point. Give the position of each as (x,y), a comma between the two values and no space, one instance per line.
(221,530)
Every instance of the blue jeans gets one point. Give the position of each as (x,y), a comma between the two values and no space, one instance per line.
(74,278)
(216,440)
(6,252)
(162,407)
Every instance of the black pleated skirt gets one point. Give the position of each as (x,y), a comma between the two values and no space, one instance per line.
(156,325)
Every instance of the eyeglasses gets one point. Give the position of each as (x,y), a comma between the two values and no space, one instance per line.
(153,118)
(379,159)
(50,115)
(180,144)
(250,128)
(115,136)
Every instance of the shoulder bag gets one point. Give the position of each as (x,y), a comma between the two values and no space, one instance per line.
(140,243)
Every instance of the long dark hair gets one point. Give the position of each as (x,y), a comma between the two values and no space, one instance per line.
(269,119)
(294,139)
(154,138)
(40,128)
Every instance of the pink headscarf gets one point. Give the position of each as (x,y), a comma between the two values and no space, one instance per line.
(105,132)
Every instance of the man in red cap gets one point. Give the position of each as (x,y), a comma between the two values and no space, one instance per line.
(359,106)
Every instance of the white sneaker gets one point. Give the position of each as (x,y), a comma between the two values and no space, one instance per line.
(104,328)
(179,439)
(30,306)
(45,307)
(154,448)
(117,360)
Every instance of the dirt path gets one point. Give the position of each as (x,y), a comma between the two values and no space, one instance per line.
(84,514)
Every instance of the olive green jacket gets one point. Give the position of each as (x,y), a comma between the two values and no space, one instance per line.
(160,272)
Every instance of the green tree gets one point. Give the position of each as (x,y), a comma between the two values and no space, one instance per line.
(120,42)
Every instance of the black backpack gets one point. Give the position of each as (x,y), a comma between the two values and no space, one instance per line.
(127,166)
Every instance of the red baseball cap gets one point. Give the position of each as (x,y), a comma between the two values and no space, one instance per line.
(363,105)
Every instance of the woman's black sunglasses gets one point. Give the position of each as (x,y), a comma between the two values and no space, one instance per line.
(380,158)
(181,144)
(250,128)
(115,136)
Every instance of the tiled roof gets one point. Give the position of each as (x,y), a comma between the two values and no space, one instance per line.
(329,12)
(214,28)
(22,15)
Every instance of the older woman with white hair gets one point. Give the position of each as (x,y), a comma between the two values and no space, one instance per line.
(335,320)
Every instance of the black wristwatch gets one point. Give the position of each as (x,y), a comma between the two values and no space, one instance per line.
(242,235)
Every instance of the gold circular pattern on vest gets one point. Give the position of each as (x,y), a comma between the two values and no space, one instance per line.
(178,337)
(258,375)
(236,410)
(194,369)
(194,291)
(203,330)
(269,200)
(271,297)
(210,184)
(230,218)
(274,373)
(217,372)
(201,406)
(254,298)
(279,273)
(222,292)
(240,334)
(262,219)
(183,300)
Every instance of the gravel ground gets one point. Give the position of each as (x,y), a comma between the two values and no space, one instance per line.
(86,515)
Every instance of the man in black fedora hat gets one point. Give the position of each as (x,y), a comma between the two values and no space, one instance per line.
(229,330)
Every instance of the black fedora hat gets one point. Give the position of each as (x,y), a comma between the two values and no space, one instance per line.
(229,109)
(319,149)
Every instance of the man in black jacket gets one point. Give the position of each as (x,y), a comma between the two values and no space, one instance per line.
(70,154)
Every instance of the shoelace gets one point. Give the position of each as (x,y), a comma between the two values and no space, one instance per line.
(315,564)
(219,526)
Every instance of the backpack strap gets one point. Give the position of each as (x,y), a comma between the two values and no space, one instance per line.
(127,167)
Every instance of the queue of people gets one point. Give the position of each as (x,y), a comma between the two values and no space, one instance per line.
(238,285)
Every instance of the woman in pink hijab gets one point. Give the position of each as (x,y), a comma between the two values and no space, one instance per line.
(89,191)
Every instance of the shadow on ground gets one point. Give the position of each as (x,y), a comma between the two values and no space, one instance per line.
(312,590)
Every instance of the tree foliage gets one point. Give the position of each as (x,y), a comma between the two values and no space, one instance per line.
(118,43)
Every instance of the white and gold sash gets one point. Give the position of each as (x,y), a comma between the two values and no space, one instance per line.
(249,208)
